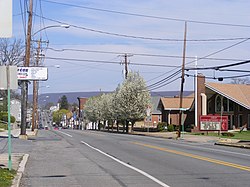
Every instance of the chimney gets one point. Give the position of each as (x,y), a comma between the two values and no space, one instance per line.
(201,90)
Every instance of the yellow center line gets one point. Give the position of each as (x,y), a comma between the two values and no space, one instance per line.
(246,168)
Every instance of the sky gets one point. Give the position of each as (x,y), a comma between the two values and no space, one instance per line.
(91,51)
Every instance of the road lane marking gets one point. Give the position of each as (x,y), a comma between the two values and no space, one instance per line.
(129,166)
(205,148)
(65,133)
(246,168)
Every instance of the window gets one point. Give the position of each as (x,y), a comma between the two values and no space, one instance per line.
(240,108)
(240,120)
(218,103)
(231,106)
(248,120)
(159,118)
(225,102)
(209,107)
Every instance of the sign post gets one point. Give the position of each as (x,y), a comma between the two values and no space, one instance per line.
(8,81)
(148,115)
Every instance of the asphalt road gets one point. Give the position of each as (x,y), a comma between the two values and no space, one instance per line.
(90,158)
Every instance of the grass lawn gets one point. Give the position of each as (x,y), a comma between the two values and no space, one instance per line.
(237,135)
(6,177)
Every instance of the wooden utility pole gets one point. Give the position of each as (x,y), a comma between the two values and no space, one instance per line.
(24,90)
(182,81)
(126,65)
(34,111)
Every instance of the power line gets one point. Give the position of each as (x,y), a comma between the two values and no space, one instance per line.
(149,16)
(164,84)
(140,54)
(156,84)
(218,51)
(143,37)
(219,67)
(221,77)
(108,62)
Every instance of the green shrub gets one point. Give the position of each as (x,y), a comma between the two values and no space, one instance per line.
(171,128)
(161,126)
(5,118)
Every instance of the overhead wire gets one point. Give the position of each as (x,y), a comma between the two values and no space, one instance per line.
(149,16)
(221,77)
(107,62)
(139,54)
(143,37)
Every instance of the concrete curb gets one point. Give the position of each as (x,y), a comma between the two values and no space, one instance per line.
(242,146)
(21,167)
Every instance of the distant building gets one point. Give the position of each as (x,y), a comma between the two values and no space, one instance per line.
(170,107)
(82,101)
(15,109)
(54,108)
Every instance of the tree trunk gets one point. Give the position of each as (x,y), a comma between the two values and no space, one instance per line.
(127,124)
(132,127)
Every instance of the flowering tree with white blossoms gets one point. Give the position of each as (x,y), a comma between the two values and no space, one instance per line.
(133,98)
(128,103)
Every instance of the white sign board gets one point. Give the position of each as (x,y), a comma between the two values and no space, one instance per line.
(5,18)
(12,76)
(32,73)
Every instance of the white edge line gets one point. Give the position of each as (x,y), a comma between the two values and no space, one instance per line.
(65,134)
(129,166)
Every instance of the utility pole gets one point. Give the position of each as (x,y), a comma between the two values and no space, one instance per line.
(182,81)
(24,90)
(35,87)
(126,64)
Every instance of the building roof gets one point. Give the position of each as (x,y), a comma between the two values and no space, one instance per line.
(239,93)
(170,103)
(155,101)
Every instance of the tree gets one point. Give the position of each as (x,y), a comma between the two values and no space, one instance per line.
(64,103)
(133,98)
(91,109)
(107,108)
(11,53)
(58,115)
(240,80)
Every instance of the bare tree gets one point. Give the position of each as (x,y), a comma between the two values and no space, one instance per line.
(240,81)
(11,52)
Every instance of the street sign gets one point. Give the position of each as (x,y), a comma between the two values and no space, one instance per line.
(12,75)
(32,73)
(5,18)
(213,123)
(148,111)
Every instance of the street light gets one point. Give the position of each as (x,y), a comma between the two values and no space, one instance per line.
(35,88)
(51,26)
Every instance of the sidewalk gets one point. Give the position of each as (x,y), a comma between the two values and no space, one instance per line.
(18,160)
(16,132)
